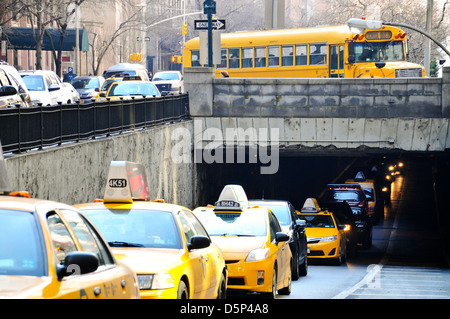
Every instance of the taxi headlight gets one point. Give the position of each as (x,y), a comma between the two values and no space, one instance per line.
(328,238)
(156,281)
(258,254)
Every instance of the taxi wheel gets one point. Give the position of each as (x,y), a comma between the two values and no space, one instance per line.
(182,291)
(287,290)
(222,292)
(273,293)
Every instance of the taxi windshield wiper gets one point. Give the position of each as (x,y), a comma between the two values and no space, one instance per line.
(237,235)
(123,244)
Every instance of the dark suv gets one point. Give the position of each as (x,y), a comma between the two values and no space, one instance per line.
(292,226)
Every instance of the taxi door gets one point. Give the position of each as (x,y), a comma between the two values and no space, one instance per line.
(283,250)
(202,260)
(71,232)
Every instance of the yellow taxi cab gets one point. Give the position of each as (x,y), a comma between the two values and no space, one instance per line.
(51,250)
(165,244)
(104,88)
(326,237)
(255,249)
(129,89)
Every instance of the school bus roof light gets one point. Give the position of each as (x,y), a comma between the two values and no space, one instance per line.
(359,25)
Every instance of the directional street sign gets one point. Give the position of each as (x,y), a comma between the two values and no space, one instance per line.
(203,24)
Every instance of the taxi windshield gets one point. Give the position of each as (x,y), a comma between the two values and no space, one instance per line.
(132,88)
(233,223)
(317,221)
(345,194)
(21,249)
(282,213)
(136,227)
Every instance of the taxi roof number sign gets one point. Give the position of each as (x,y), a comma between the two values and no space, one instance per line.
(232,197)
(126,182)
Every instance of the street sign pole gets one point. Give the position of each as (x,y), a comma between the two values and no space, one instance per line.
(210,9)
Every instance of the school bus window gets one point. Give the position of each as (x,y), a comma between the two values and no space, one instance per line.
(260,57)
(195,58)
(287,58)
(223,59)
(233,62)
(318,54)
(341,57)
(301,54)
(274,56)
(247,57)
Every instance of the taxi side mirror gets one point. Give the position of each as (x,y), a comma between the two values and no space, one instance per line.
(77,263)
(279,237)
(300,223)
(198,242)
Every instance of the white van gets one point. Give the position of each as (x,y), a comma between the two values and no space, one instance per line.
(132,69)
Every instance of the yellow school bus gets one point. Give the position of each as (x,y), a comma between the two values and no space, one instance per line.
(319,52)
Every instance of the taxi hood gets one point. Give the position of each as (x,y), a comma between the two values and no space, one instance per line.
(238,247)
(149,260)
(321,232)
(19,287)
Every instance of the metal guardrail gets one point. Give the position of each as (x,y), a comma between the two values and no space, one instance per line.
(23,129)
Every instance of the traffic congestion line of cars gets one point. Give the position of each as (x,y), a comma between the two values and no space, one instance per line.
(127,246)
(45,88)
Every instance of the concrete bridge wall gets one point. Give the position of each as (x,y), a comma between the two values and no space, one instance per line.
(407,114)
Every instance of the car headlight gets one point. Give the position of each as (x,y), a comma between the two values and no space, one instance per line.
(329,238)
(258,254)
(156,281)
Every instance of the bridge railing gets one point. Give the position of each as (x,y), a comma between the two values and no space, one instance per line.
(23,129)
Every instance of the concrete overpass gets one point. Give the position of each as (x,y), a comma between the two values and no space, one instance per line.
(408,114)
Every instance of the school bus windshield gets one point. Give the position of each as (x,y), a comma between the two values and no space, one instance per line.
(377,51)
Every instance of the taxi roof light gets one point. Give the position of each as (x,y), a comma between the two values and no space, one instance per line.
(126,182)
(232,197)
(310,206)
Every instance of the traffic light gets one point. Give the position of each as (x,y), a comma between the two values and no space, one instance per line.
(177,59)
(184,29)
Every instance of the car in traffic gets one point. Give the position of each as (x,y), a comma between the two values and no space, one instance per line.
(47,89)
(294,228)
(127,69)
(169,81)
(165,244)
(129,89)
(326,237)
(51,250)
(9,76)
(255,249)
(375,202)
(344,213)
(364,227)
(353,194)
(87,87)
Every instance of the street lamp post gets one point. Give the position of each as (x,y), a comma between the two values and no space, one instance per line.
(210,9)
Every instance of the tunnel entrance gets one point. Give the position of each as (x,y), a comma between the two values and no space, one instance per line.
(296,179)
